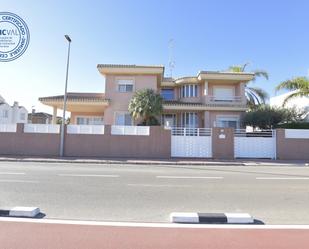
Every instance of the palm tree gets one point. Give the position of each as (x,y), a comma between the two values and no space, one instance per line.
(255,95)
(299,86)
(146,104)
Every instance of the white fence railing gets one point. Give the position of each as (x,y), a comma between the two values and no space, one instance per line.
(85,129)
(8,127)
(41,128)
(244,133)
(184,131)
(130,130)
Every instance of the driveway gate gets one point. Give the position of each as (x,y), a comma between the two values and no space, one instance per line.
(191,142)
(260,144)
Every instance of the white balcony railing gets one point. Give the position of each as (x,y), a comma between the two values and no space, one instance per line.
(85,129)
(8,127)
(41,128)
(130,130)
(227,99)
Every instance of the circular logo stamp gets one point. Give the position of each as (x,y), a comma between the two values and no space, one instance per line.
(14,36)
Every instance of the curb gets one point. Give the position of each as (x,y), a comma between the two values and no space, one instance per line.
(29,212)
(136,162)
(212,218)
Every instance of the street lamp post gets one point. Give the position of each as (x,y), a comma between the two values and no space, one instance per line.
(65,99)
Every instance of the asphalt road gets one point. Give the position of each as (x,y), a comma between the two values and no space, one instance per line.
(274,195)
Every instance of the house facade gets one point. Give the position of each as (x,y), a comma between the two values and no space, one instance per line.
(300,103)
(209,99)
(12,114)
(39,117)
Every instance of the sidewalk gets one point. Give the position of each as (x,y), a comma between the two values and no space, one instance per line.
(173,161)
(50,234)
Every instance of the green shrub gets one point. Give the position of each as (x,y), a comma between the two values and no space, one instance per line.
(294,125)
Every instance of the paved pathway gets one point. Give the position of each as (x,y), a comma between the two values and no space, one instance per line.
(29,235)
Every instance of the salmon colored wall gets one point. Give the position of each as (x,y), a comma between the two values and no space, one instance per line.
(156,145)
(120,101)
(291,148)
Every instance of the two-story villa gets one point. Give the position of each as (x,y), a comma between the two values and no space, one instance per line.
(209,99)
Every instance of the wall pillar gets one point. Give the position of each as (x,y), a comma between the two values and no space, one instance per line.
(207,123)
(223,143)
(242,93)
(54,120)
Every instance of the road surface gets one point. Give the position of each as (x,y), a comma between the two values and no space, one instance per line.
(137,193)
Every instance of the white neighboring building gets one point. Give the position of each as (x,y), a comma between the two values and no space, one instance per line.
(301,103)
(12,114)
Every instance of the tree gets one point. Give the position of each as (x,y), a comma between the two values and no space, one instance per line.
(146,104)
(267,117)
(299,86)
(255,95)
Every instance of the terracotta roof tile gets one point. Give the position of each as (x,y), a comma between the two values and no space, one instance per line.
(74,96)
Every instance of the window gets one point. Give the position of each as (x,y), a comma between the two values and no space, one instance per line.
(224,93)
(188,91)
(167,94)
(189,119)
(168,120)
(227,122)
(125,85)
(89,121)
(22,116)
(123,119)
(5,113)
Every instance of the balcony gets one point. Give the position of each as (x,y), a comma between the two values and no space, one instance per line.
(225,101)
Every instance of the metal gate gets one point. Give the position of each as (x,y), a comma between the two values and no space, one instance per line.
(191,142)
(260,144)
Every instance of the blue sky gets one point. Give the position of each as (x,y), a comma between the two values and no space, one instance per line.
(208,35)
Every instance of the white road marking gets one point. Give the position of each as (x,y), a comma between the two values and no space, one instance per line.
(12,173)
(282,178)
(139,224)
(157,185)
(190,177)
(77,175)
(18,181)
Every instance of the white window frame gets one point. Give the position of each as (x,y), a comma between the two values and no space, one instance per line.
(174,119)
(122,113)
(89,117)
(118,83)
(185,91)
(194,124)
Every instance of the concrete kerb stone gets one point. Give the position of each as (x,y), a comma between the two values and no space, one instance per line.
(211,218)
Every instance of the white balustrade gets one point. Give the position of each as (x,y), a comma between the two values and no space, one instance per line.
(85,129)
(42,128)
(130,130)
(8,127)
